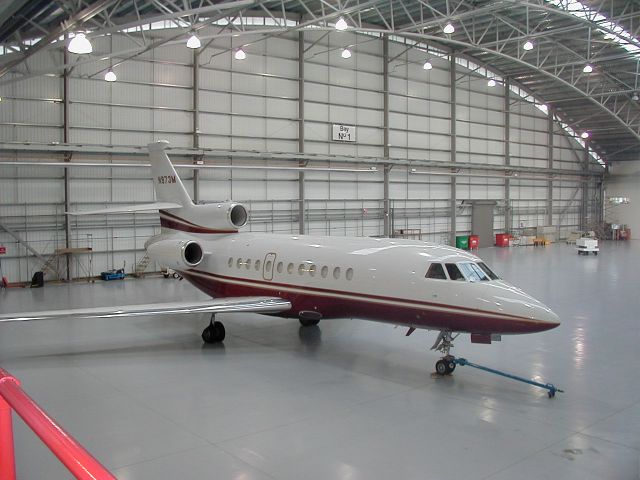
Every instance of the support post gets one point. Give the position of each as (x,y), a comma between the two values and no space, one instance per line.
(452,205)
(387,168)
(585,187)
(301,189)
(67,157)
(7,456)
(508,218)
(196,121)
(550,138)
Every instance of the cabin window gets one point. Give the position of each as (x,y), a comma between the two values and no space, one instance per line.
(280,267)
(239,263)
(349,273)
(301,269)
(436,272)
(268,265)
(488,271)
(312,270)
(336,273)
(248,264)
(324,271)
(257,264)
(454,272)
(472,272)
(290,268)
(230,262)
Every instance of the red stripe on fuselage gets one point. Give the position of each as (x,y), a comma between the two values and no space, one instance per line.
(370,307)
(168,220)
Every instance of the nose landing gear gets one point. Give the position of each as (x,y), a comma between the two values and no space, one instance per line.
(447,364)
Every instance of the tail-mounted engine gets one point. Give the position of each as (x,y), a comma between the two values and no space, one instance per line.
(229,214)
(176,254)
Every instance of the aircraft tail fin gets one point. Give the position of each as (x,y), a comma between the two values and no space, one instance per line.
(167,183)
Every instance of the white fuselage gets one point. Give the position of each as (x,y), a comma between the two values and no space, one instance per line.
(375,279)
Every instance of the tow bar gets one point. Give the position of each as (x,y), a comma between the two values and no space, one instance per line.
(552,389)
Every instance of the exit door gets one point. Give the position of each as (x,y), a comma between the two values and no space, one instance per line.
(268,265)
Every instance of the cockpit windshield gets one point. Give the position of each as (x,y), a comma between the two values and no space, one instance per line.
(488,271)
(472,272)
(463,271)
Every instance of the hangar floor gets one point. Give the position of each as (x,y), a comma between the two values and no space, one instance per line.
(349,399)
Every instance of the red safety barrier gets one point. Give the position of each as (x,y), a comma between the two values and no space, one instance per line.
(73,456)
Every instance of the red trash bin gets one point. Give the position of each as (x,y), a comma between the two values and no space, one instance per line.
(502,239)
(474,241)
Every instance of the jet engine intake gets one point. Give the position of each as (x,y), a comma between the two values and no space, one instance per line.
(234,214)
(176,254)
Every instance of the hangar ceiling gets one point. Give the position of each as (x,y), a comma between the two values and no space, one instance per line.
(565,36)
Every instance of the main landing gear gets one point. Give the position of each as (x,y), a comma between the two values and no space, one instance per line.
(214,333)
(447,364)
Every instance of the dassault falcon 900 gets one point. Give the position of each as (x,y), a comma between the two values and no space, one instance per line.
(403,282)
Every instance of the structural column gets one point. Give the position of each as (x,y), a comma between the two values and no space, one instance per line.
(585,187)
(452,207)
(301,189)
(508,218)
(550,137)
(196,121)
(67,157)
(387,167)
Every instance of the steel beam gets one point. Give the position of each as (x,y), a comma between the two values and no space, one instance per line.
(508,220)
(550,138)
(301,179)
(452,196)
(67,158)
(196,121)
(387,167)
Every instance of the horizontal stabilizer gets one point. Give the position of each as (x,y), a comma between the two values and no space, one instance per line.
(215,305)
(143,207)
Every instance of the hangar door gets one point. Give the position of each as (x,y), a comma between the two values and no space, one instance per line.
(482,221)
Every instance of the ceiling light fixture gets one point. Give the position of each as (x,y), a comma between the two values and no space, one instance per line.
(587,68)
(341,25)
(584,135)
(80,44)
(528,45)
(110,76)
(491,82)
(346,53)
(240,55)
(635,97)
(427,65)
(448,28)
(193,42)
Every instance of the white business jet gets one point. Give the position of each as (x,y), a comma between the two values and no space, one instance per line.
(403,282)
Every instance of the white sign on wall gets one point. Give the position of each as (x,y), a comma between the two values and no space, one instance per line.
(344,133)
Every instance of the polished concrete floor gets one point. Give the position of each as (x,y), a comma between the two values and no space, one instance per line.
(347,400)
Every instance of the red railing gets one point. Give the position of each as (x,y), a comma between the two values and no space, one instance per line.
(80,463)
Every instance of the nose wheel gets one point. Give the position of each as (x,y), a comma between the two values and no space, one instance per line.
(447,364)
(215,332)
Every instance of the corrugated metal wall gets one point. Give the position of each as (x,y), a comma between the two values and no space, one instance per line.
(252,105)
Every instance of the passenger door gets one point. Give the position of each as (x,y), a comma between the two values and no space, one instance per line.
(268,266)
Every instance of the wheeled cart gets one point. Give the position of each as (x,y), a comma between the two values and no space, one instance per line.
(586,245)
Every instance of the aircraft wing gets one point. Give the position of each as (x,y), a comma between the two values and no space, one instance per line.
(142,207)
(215,305)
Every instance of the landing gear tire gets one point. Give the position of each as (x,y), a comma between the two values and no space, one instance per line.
(445,366)
(451,366)
(441,367)
(309,322)
(214,333)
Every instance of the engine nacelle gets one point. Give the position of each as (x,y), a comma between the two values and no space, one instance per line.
(176,254)
(227,215)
